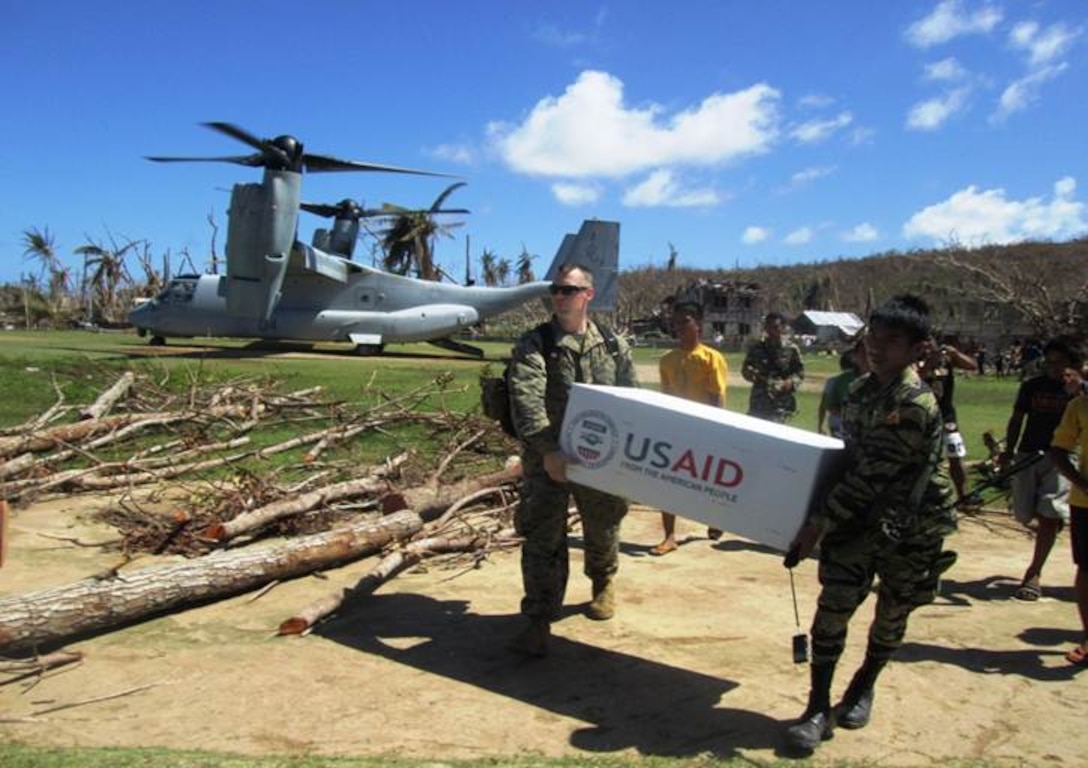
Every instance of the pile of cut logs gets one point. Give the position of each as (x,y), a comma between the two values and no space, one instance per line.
(185,477)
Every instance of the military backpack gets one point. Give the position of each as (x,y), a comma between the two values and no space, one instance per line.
(495,390)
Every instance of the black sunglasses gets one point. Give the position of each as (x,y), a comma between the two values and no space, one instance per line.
(566,290)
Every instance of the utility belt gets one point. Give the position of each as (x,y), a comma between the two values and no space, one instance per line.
(899,524)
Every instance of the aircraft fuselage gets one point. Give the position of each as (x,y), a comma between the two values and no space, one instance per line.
(371,306)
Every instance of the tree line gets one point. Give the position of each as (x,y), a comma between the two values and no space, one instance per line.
(1040,286)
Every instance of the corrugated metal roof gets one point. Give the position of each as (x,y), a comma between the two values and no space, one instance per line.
(848,321)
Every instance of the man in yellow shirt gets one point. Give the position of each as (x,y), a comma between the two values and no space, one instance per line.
(1072,435)
(696,372)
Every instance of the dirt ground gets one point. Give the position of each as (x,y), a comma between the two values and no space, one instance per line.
(697,661)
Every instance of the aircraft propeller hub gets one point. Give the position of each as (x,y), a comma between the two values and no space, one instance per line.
(291,148)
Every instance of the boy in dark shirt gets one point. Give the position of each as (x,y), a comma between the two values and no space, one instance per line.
(1039,492)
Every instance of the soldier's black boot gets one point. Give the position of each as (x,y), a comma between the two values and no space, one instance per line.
(817,723)
(856,707)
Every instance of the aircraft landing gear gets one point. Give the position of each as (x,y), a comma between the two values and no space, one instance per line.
(457,346)
(368,350)
(157,341)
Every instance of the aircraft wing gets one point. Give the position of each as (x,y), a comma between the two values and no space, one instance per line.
(305,258)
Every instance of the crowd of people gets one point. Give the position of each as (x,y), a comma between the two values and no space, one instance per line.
(883,522)
(1020,358)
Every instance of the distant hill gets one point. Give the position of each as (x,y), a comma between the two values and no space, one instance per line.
(1020,285)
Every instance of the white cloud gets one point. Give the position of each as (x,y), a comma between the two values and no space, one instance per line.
(662,189)
(461,154)
(574,194)
(945,70)
(589,131)
(948,20)
(1021,93)
(818,130)
(1042,47)
(862,233)
(974,217)
(815,101)
(753,235)
(1065,187)
(931,114)
(799,236)
(810,174)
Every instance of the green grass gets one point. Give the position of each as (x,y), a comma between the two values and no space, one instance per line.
(83,362)
(34,366)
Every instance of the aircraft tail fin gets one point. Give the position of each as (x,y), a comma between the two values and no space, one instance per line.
(597,247)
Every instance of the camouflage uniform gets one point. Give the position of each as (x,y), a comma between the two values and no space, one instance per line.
(768,366)
(887,516)
(539,390)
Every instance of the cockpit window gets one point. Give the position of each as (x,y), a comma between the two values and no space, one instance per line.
(178,292)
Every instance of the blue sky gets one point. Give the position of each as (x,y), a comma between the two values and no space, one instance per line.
(743,133)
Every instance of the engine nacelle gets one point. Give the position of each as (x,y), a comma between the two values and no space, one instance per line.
(263,218)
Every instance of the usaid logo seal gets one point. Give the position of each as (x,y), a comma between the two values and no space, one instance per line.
(592,437)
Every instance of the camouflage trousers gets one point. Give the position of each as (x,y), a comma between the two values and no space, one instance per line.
(769,412)
(909,572)
(541,519)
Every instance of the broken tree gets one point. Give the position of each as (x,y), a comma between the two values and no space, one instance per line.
(38,619)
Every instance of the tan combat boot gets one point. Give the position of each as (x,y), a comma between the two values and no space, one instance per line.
(533,640)
(603,605)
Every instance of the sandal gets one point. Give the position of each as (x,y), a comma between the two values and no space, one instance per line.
(1029,591)
(1078,656)
(663,548)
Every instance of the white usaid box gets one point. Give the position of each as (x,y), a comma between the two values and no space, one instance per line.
(744,475)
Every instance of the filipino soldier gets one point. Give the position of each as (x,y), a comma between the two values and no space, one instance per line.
(774,368)
(541,375)
(887,516)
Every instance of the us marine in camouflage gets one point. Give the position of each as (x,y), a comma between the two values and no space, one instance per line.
(541,375)
(886,516)
(775,370)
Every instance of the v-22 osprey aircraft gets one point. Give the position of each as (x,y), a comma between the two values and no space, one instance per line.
(279,288)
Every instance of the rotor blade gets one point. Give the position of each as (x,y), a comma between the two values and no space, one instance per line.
(325,164)
(241,135)
(449,190)
(253,161)
(392,213)
(319,209)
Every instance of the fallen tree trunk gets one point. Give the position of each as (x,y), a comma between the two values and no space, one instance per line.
(106,400)
(42,618)
(431,501)
(92,479)
(257,518)
(66,434)
(45,439)
(389,566)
